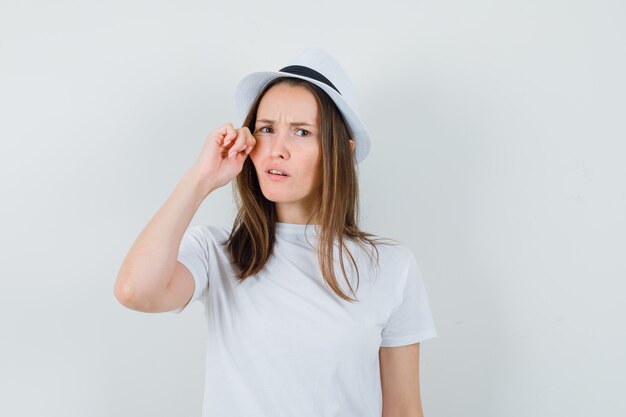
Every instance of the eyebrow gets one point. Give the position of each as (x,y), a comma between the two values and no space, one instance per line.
(291,124)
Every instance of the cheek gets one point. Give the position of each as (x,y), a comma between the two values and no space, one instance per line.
(261,147)
(313,166)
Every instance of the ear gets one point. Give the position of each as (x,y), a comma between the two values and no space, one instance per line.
(352,144)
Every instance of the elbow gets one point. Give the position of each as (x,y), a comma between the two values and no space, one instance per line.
(129,296)
(123,292)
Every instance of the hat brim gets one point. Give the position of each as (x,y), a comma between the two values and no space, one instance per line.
(251,85)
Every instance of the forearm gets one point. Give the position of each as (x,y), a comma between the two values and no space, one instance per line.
(150,262)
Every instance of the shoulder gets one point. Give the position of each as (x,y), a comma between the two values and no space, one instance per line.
(389,257)
(209,233)
(396,257)
(391,251)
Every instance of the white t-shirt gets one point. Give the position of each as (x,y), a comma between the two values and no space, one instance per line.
(282,343)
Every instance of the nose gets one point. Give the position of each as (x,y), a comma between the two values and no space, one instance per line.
(279,148)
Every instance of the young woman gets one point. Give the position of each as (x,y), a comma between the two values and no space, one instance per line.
(307,315)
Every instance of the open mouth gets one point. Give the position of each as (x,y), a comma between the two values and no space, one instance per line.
(275,174)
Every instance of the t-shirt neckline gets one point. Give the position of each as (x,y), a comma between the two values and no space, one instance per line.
(295,228)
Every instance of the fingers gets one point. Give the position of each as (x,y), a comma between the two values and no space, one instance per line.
(250,141)
(234,141)
(229,133)
(243,142)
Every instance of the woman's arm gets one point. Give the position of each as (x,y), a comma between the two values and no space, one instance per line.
(151,261)
(399,375)
(143,281)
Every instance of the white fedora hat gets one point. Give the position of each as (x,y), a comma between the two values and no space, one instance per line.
(319,68)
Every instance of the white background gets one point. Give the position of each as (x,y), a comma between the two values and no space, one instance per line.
(497,157)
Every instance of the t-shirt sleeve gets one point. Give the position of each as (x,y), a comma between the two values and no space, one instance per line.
(194,254)
(411,321)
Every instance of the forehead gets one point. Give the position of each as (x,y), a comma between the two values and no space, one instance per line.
(290,102)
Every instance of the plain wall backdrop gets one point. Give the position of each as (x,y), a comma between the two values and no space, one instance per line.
(497,158)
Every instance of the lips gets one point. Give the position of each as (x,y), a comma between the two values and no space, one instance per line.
(275,168)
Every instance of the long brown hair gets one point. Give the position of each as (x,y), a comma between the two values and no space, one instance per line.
(252,237)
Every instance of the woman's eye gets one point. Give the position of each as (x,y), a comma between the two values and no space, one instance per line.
(262,130)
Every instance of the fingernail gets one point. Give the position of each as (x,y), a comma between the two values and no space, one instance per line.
(248,149)
(231,154)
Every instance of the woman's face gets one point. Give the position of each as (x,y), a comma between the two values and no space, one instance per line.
(287,139)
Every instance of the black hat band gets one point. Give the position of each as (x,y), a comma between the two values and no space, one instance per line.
(308,72)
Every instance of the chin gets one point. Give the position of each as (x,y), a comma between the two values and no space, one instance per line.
(278,197)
